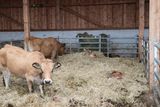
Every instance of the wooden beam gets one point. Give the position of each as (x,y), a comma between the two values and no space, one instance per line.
(58,21)
(107,2)
(11,19)
(26,18)
(141,27)
(75,4)
(73,29)
(82,17)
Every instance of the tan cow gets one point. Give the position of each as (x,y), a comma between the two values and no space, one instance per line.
(30,65)
(50,47)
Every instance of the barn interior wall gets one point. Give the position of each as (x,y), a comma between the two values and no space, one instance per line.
(9,36)
(73,14)
(71,41)
(68,35)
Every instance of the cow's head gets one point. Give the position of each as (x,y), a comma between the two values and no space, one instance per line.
(45,69)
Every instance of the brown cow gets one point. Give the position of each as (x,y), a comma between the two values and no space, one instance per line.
(30,65)
(50,47)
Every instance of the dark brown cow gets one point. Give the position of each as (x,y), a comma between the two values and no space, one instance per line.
(50,47)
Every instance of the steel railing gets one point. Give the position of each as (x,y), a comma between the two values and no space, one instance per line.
(110,46)
(145,56)
(106,45)
(128,47)
(156,82)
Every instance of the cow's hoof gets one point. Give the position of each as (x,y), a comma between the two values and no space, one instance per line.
(10,105)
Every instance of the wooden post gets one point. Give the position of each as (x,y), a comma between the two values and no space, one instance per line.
(152,39)
(26,18)
(58,23)
(141,27)
(158,20)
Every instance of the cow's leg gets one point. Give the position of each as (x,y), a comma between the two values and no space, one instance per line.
(4,82)
(29,83)
(40,83)
(41,87)
(6,77)
(54,55)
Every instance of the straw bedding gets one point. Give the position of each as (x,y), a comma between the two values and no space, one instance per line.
(83,81)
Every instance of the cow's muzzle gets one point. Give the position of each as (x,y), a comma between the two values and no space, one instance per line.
(47,81)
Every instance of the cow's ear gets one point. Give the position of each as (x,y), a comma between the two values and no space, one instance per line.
(36,65)
(57,65)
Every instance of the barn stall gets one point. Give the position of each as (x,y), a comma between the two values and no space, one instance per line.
(117,33)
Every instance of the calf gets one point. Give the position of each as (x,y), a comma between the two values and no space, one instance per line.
(30,65)
(50,47)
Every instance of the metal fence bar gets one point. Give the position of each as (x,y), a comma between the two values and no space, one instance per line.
(156,82)
(158,90)
(124,52)
(84,38)
(145,56)
(157,76)
(155,96)
(89,43)
(157,45)
(70,47)
(108,45)
(125,43)
(123,37)
(157,61)
(99,43)
(119,48)
(91,48)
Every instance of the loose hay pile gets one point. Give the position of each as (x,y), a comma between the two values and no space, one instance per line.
(83,81)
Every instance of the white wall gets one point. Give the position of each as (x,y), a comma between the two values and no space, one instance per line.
(11,36)
(8,36)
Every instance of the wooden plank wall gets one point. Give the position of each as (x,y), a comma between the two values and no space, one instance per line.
(74,14)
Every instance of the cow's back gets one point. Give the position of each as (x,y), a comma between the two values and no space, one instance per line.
(56,45)
(35,43)
(19,62)
(47,46)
